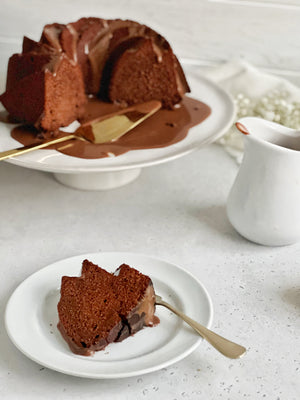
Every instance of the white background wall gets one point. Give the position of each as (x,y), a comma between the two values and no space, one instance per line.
(266,32)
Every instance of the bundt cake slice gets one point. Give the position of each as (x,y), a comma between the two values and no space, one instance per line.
(99,307)
(44,88)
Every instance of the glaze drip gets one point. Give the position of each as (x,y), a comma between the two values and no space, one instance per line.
(162,129)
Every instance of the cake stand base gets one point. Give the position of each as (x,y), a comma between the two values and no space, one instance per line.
(98,180)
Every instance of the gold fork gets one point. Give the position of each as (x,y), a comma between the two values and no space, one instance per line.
(224,346)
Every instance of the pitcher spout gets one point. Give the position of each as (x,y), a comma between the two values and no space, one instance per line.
(268,132)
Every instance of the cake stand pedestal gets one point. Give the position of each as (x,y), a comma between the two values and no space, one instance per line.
(98,180)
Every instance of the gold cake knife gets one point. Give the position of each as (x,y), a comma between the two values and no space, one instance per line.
(102,130)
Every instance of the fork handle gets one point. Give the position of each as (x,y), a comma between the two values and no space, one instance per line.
(26,149)
(224,346)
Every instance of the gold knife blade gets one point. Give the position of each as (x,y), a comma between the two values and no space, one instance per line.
(112,128)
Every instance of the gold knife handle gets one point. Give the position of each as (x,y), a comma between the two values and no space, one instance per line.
(26,149)
(224,346)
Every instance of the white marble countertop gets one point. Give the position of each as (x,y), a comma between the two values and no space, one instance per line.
(174,211)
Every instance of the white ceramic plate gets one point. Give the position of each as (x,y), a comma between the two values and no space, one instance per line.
(213,127)
(31,319)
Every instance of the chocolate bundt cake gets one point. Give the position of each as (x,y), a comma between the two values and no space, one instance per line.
(118,61)
(99,307)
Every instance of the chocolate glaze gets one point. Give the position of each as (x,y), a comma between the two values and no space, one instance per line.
(91,350)
(4,117)
(242,128)
(162,129)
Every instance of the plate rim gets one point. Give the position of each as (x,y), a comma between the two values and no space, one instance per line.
(102,375)
(146,163)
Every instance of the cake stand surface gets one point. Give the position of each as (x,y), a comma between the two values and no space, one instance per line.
(111,172)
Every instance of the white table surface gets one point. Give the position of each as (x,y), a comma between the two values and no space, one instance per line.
(175,211)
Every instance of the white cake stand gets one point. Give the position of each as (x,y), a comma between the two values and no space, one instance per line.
(112,172)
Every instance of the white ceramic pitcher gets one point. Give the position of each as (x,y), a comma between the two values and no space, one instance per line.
(264,202)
